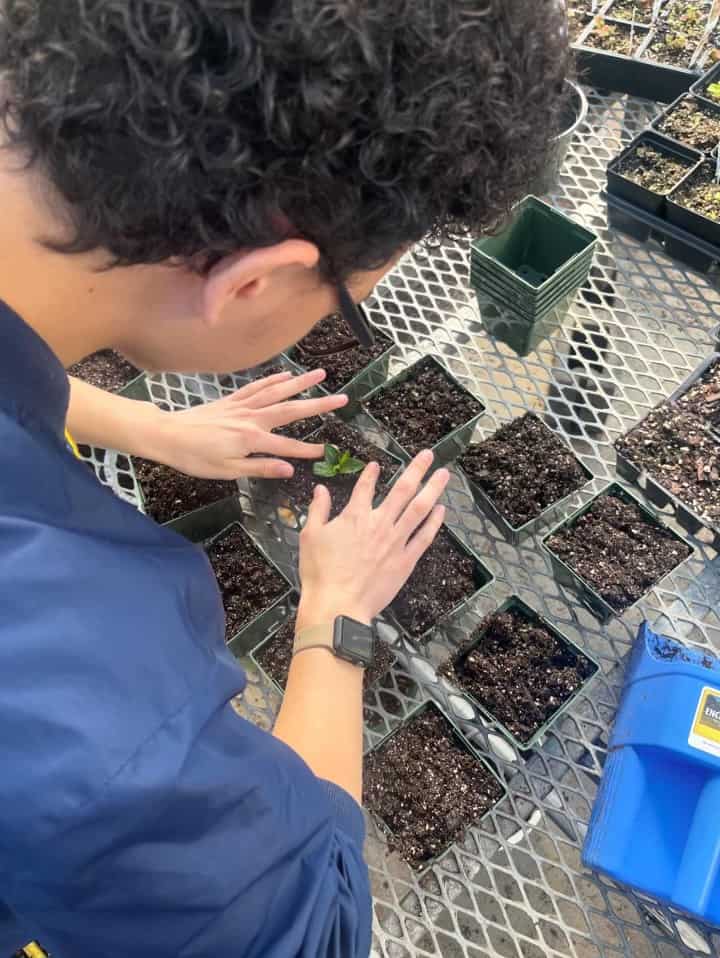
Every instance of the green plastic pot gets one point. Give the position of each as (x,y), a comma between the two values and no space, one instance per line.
(257,629)
(531,261)
(567,576)
(136,389)
(467,746)
(515,603)
(449,447)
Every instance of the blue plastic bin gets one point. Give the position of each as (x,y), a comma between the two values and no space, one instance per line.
(656,821)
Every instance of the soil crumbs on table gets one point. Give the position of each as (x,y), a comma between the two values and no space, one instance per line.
(424,408)
(426,788)
(618,551)
(703,397)
(169,494)
(105,369)
(276,655)
(653,169)
(442,580)
(331,345)
(520,671)
(700,193)
(248,583)
(681,455)
(299,489)
(693,123)
(523,468)
(613,37)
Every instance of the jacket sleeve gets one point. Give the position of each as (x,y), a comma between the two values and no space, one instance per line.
(213,838)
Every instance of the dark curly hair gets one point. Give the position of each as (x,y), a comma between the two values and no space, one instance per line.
(178,130)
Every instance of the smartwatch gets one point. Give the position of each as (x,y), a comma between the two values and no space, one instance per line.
(346,638)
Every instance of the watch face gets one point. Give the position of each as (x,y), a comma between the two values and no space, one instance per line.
(353,641)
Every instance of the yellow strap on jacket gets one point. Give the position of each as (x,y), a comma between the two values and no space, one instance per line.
(73,445)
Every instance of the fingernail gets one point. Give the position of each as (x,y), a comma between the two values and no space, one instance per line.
(286,471)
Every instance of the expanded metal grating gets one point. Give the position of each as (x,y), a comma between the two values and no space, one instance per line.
(515,886)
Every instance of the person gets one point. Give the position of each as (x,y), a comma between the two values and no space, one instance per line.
(196,183)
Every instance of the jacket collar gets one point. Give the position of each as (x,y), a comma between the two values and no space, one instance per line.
(33,384)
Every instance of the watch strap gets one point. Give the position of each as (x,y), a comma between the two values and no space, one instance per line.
(315,637)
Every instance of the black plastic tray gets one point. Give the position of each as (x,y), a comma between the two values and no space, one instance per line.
(677,242)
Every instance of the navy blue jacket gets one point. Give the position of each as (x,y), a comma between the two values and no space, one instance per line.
(140,817)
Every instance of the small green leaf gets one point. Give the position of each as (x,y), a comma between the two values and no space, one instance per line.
(332,454)
(324,469)
(343,459)
(351,466)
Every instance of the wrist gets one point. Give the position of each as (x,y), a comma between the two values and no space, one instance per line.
(155,434)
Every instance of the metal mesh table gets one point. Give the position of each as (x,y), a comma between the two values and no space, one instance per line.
(515,886)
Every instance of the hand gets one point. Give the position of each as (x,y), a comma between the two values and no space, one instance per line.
(215,440)
(356,564)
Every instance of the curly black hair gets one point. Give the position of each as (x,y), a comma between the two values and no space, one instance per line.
(180,129)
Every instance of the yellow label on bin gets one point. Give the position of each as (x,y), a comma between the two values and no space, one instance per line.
(705,732)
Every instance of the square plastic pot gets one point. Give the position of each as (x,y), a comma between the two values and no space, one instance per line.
(699,87)
(137,388)
(467,746)
(254,631)
(534,257)
(447,448)
(267,639)
(706,105)
(515,603)
(695,223)
(695,376)
(640,196)
(515,535)
(483,578)
(363,383)
(567,576)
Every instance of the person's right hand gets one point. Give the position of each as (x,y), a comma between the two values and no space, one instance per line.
(356,564)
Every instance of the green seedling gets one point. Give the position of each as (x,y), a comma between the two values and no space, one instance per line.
(713,91)
(337,463)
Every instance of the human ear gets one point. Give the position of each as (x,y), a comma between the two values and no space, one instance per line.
(246,275)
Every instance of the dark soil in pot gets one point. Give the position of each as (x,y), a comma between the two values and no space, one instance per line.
(248,583)
(442,580)
(692,123)
(675,449)
(276,655)
(700,193)
(422,409)
(331,345)
(618,551)
(653,169)
(703,398)
(105,369)
(299,489)
(612,37)
(523,468)
(169,494)
(520,672)
(427,788)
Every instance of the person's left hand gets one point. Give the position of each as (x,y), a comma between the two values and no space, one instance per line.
(222,439)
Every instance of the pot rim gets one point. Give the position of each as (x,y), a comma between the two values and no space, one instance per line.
(581,114)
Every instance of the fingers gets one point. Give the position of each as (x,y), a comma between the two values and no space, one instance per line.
(257,385)
(364,491)
(424,537)
(271,392)
(422,505)
(274,445)
(281,414)
(259,468)
(319,511)
(406,486)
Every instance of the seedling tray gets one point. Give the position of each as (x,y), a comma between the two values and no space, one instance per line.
(515,603)
(645,199)
(250,635)
(567,576)
(446,449)
(630,74)
(467,746)
(677,242)
(707,105)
